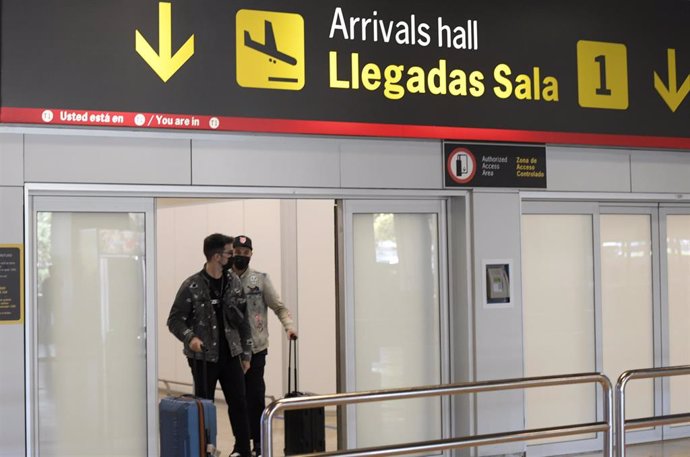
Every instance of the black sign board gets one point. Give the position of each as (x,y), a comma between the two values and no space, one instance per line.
(11,284)
(494,165)
(590,72)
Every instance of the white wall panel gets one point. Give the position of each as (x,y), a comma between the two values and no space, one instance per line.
(12,431)
(660,171)
(316,293)
(12,392)
(11,159)
(169,349)
(627,289)
(89,159)
(391,164)
(678,268)
(266,161)
(182,226)
(12,206)
(498,331)
(179,246)
(462,324)
(558,317)
(587,169)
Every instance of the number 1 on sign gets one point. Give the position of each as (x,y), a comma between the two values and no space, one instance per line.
(602,75)
(602,89)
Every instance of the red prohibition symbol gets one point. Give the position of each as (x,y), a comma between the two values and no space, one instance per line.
(461,165)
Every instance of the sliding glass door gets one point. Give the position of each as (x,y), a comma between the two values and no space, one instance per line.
(93,385)
(593,277)
(395,313)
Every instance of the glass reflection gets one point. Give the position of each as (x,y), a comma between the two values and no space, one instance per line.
(396,322)
(91,334)
(678,271)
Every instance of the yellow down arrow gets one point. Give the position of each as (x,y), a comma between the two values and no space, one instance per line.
(164,63)
(672,95)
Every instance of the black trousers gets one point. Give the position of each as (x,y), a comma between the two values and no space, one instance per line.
(229,372)
(256,395)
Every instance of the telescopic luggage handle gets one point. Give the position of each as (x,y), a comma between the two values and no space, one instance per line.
(292,370)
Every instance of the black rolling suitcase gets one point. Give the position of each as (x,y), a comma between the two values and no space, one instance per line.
(304,428)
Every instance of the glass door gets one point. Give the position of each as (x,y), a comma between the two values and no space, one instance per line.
(675,263)
(631,308)
(92,385)
(394,318)
(560,308)
(591,289)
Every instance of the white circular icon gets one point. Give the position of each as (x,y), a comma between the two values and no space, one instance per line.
(139,119)
(214,123)
(461,165)
(47,115)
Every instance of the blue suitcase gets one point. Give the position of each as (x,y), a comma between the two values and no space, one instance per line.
(182,433)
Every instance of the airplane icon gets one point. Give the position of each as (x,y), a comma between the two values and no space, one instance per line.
(269,47)
(275,60)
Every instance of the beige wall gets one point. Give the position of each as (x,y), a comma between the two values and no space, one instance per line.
(316,295)
(182,225)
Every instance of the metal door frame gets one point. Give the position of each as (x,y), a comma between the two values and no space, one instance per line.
(661,205)
(38,201)
(595,209)
(151,192)
(669,431)
(345,210)
(654,434)
(575,208)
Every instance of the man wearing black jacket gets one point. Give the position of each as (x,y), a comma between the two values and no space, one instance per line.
(209,317)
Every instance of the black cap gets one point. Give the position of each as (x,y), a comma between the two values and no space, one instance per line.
(242,242)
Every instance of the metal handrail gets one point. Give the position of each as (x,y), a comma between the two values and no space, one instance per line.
(317,401)
(622,425)
(169,391)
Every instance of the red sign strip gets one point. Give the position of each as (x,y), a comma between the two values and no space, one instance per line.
(96,118)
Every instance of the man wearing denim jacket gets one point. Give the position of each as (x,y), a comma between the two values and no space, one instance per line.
(260,295)
(209,315)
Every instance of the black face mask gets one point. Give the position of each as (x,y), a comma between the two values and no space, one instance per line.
(228,265)
(241,262)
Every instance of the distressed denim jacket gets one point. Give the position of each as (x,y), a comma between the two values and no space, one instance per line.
(192,314)
(261,295)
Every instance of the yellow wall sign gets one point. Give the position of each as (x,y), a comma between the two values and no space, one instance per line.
(270,50)
(602,75)
(11,283)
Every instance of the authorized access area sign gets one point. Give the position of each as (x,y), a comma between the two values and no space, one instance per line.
(592,72)
(494,165)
